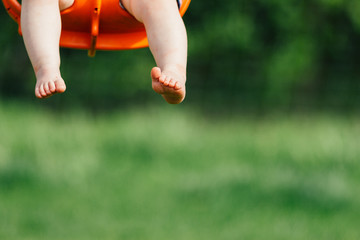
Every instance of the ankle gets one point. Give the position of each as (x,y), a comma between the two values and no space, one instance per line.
(177,68)
(46,70)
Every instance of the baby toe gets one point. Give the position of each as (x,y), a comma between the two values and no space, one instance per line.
(167,81)
(42,91)
(172,83)
(177,86)
(162,78)
(46,89)
(52,87)
(37,92)
(60,86)
(155,73)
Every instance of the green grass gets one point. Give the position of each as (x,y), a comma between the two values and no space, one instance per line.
(174,174)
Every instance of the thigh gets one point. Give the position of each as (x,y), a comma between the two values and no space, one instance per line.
(64,4)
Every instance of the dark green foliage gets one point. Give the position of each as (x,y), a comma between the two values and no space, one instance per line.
(276,53)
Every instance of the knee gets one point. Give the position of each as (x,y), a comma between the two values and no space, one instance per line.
(144,9)
(64,4)
(154,5)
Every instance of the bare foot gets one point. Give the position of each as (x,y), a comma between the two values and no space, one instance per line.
(169,83)
(48,84)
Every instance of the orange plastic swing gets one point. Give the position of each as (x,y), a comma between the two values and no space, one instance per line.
(96,25)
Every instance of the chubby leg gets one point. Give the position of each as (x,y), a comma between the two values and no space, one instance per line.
(168,43)
(41,27)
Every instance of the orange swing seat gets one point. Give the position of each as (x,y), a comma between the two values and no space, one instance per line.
(96,25)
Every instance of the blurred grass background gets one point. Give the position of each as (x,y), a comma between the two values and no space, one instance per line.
(266,145)
(164,173)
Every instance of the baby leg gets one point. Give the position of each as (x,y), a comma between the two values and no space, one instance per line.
(168,43)
(41,27)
